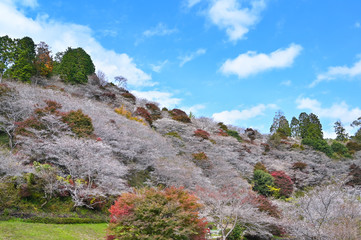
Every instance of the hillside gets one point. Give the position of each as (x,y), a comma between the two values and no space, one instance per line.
(88,143)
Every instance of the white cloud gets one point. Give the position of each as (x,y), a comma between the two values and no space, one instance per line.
(286,83)
(338,111)
(191,3)
(60,35)
(194,109)
(229,15)
(165,99)
(233,116)
(157,68)
(25,3)
(160,30)
(190,57)
(357,25)
(250,63)
(334,73)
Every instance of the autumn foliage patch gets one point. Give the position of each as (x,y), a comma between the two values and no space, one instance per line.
(284,182)
(153,213)
(180,116)
(142,112)
(201,133)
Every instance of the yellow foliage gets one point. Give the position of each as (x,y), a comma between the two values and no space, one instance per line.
(128,115)
(275,191)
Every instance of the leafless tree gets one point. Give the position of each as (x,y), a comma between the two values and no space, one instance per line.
(121,81)
(227,206)
(327,212)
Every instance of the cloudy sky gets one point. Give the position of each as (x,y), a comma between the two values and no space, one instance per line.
(238,61)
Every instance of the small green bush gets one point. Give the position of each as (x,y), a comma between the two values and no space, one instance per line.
(319,145)
(234,134)
(222,126)
(79,123)
(237,233)
(173,134)
(262,180)
(8,194)
(339,148)
(297,146)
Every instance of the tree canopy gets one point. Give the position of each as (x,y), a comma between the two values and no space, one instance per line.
(75,66)
(280,125)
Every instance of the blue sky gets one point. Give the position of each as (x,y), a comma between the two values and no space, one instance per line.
(237,61)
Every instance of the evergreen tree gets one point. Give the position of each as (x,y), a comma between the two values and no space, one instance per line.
(357,135)
(24,55)
(75,66)
(340,131)
(315,128)
(7,50)
(280,125)
(304,122)
(310,126)
(295,127)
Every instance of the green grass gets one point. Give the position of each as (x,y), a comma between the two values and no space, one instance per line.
(37,231)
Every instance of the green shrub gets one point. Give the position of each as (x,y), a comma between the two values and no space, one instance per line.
(79,123)
(319,145)
(4,139)
(262,180)
(341,149)
(173,134)
(8,194)
(222,126)
(237,233)
(234,134)
(297,146)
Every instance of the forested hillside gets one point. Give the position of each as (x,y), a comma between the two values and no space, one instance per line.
(71,143)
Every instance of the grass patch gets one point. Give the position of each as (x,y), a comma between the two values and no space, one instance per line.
(28,231)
